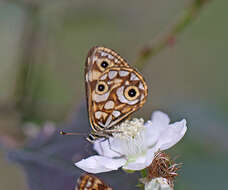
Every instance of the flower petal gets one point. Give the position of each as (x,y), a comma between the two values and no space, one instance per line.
(105,148)
(159,122)
(138,164)
(150,155)
(98,164)
(141,162)
(151,136)
(172,135)
(160,118)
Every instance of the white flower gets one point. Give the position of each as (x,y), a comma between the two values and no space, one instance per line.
(158,184)
(134,148)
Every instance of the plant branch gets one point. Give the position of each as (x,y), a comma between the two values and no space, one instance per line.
(189,15)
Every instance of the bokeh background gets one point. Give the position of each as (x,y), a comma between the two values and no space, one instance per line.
(43,45)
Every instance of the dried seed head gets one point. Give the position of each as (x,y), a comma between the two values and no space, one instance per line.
(163,166)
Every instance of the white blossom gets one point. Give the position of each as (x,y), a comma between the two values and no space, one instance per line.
(134,148)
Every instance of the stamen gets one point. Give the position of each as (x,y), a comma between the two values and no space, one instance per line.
(130,128)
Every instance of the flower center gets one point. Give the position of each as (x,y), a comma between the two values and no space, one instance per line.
(131,137)
(129,129)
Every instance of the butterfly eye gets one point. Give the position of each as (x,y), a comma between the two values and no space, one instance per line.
(131,92)
(101,87)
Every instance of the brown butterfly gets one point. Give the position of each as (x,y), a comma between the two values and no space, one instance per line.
(90,182)
(114,90)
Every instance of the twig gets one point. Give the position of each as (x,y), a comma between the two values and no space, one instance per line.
(169,38)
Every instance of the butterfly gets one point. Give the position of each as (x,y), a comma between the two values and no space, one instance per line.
(90,182)
(114,90)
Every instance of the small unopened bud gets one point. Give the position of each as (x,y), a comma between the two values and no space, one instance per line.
(158,184)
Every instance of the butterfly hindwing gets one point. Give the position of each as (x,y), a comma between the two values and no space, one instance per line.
(119,92)
(91,182)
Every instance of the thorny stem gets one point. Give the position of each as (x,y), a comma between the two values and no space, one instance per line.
(149,51)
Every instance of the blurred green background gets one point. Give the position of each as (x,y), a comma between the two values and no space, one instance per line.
(47,41)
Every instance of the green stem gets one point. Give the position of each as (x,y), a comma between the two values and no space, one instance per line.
(143,175)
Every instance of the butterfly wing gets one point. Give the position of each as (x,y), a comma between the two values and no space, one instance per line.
(117,93)
(91,182)
(98,60)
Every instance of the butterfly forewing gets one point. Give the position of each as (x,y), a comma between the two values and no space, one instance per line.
(114,89)
(91,182)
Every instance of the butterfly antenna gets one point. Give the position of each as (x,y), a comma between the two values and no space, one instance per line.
(72,133)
